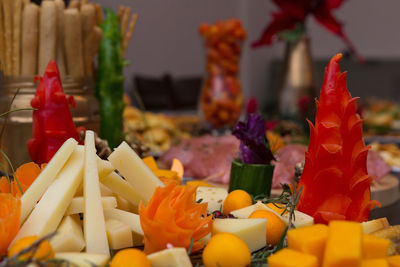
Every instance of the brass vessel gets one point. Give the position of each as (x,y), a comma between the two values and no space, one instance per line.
(297,89)
(19,125)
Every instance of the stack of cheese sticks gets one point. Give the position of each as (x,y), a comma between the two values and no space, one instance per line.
(31,35)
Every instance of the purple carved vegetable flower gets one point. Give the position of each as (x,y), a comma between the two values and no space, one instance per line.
(253,143)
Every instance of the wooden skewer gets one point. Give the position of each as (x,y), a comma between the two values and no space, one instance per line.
(128,35)
(120,12)
(125,19)
(7,8)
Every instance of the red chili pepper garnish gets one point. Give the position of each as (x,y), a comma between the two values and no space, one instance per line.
(52,119)
(335,181)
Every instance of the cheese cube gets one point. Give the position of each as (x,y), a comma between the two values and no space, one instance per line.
(78,203)
(375,225)
(393,261)
(172,257)
(46,177)
(69,237)
(343,246)
(375,263)
(130,165)
(310,240)
(83,259)
(122,188)
(374,247)
(48,213)
(130,219)
(300,219)
(251,231)
(214,196)
(119,234)
(291,258)
(93,225)
(245,212)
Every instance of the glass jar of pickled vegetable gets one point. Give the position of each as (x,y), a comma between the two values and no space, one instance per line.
(221,97)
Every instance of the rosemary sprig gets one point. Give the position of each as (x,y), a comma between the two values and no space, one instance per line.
(289,199)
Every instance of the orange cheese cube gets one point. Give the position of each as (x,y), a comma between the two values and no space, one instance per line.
(343,246)
(309,239)
(375,263)
(374,247)
(291,258)
(394,261)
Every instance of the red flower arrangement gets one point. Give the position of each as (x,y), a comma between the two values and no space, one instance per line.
(292,17)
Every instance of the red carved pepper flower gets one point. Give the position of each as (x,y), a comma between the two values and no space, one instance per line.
(335,181)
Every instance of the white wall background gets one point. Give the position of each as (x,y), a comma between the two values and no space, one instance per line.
(166,38)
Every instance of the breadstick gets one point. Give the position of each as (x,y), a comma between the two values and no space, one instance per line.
(2,44)
(17,10)
(125,19)
(99,14)
(120,12)
(30,32)
(47,34)
(74,4)
(73,42)
(60,57)
(7,8)
(128,35)
(84,2)
(88,19)
(26,2)
(92,44)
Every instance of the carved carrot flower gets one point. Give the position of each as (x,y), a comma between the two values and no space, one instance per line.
(172,216)
(10,212)
(25,175)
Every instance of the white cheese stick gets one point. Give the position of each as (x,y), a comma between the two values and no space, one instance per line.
(94,225)
(46,177)
(69,237)
(122,188)
(134,170)
(77,205)
(48,213)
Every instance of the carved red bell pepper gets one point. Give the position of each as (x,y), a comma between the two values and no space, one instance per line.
(335,181)
(52,119)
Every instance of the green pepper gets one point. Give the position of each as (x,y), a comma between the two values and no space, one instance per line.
(110,80)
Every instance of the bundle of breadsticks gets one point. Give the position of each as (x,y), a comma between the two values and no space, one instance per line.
(126,31)
(31,35)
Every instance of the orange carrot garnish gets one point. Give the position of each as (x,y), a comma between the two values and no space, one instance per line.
(172,216)
(25,175)
(10,212)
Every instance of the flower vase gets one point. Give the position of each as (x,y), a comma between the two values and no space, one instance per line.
(297,87)
(255,179)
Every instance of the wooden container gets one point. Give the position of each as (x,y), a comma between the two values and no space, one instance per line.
(19,126)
